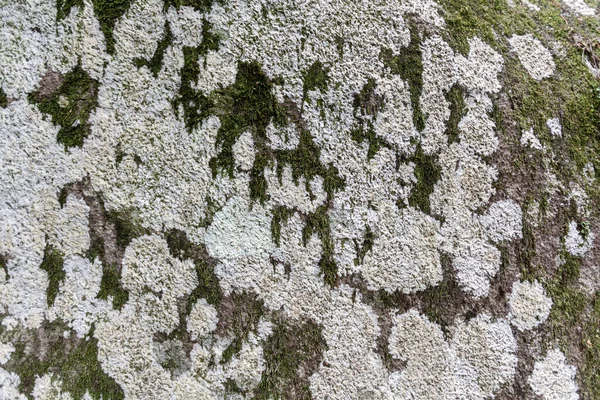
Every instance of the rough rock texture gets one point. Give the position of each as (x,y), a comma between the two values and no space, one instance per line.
(328,199)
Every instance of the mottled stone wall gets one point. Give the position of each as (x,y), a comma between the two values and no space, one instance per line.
(273,199)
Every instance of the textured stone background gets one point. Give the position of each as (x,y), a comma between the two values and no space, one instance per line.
(297,199)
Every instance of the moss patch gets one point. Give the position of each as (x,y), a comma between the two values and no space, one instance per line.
(70,106)
(238,315)
(208,283)
(427,173)
(409,65)
(292,354)
(108,13)
(591,346)
(318,222)
(281,214)
(53,265)
(155,63)
(73,360)
(458,109)
(367,105)
(3,99)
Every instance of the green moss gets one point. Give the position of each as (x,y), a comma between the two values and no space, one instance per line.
(63,7)
(53,265)
(126,227)
(3,99)
(458,109)
(80,93)
(367,105)
(281,214)
(239,316)
(427,173)
(409,65)
(108,13)
(4,266)
(155,63)
(318,222)
(208,283)
(110,285)
(568,303)
(365,247)
(591,346)
(200,5)
(74,361)
(289,350)
(315,77)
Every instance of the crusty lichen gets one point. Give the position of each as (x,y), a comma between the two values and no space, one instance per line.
(262,199)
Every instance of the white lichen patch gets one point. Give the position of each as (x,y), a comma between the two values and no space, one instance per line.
(6,349)
(580,7)
(74,303)
(529,305)
(576,242)
(555,126)
(237,231)
(49,387)
(202,319)
(243,151)
(536,58)
(9,382)
(478,359)
(490,348)
(405,255)
(502,221)
(529,139)
(553,379)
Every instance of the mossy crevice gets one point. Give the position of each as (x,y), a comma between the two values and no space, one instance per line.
(409,65)
(367,104)
(208,283)
(292,354)
(70,106)
(73,360)
(196,105)
(315,77)
(154,64)
(3,99)
(458,109)
(238,315)
(427,172)
(108,12)
(52,263)
(318,222)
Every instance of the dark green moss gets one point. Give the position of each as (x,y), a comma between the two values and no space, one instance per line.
(315,77)
(81,94)
(318,222)
(3,99)
(365,247)
(155,63)
(568,303)
(62,196)
(238,315)
(591,346)
(4,266)
(208,283)
(367,104)
(456,99)
(200,5)
(289,350)
(74,361)
(53,265)
(108,13)
(409,65)
(281,214)
(63,7)
(110,285)
(126,227)
(427,173)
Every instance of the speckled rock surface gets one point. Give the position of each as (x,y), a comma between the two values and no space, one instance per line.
(316,199)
